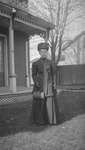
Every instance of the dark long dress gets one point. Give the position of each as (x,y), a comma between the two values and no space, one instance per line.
(43,110)
(39,111)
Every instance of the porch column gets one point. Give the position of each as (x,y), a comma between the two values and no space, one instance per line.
(27,65)
(12,76)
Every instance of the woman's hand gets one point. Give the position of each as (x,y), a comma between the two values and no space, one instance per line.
(42,95)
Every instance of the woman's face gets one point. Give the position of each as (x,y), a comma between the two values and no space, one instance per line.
(43,53)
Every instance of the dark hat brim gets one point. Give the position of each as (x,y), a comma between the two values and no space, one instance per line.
(43,46)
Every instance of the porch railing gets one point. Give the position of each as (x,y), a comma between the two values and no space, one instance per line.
(21,4)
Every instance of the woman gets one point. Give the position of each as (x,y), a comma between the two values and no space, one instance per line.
(43,105)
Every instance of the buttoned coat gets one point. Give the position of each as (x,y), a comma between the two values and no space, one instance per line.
(38,74)
(42,77)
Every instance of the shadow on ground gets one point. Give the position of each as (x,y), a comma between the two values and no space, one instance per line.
(16,117)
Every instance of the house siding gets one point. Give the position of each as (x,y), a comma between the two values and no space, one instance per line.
(20,58)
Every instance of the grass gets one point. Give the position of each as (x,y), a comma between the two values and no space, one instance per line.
(17,134)
(68,136)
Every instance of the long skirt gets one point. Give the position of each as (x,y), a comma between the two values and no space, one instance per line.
(51,107)
(51,111)
(39,112)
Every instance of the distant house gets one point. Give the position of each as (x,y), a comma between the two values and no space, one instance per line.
(81,49)
(74,53)
(78,46)
(16,27)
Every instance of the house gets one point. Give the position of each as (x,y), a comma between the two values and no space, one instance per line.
(74,52)
(16,27)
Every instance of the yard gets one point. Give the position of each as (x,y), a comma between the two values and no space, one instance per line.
(68,136)
(16,134)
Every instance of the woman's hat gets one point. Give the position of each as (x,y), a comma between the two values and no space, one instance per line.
(43,45)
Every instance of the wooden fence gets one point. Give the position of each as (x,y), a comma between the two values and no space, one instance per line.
(71,75)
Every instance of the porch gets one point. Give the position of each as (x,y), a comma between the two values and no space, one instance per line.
(16,27)
(22,95)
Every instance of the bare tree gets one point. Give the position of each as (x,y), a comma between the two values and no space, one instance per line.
(61,10)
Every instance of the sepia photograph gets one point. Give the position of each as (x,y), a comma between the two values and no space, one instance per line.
(42,74)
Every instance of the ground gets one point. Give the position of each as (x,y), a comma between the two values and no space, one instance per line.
(70,135)
(16,134)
